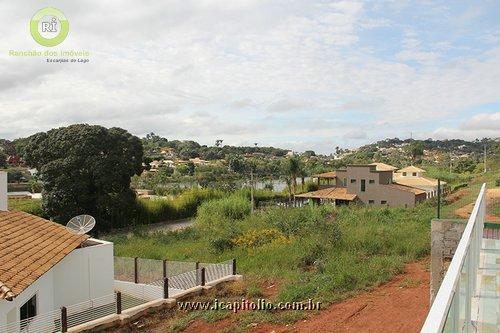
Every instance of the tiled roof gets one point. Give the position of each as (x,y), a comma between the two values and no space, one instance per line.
(405,188)
(411,168)
(339,193)
(383,167)
(330,174)
(29,247)
(417,181)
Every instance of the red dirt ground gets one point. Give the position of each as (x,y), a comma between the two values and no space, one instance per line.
(400,305)
(492,197)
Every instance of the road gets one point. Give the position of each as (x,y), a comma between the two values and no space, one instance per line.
(160,226)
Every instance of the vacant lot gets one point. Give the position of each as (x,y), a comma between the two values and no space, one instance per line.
(320,253)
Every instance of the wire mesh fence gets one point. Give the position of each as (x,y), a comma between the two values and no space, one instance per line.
(90,310)
(217,271)
(124,268)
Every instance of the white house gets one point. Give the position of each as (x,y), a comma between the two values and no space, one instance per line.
(414,177)
(45,266)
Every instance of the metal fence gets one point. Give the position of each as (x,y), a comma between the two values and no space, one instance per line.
(44,323)
(451,309)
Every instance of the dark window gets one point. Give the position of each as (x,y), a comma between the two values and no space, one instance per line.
(363,185)
(28,310)
(404,173)
(371,201)
(383,202)
(353,181)
(345,182)
(414,174)
(372,181)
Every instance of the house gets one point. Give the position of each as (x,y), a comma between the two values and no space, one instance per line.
(45,266)
(168,152)
(369,184)
(198,161)
(413,176)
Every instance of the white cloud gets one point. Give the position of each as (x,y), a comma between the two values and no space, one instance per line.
(265,71)
(479,126)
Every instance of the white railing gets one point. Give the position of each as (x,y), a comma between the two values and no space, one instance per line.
(451,309)
(45,323)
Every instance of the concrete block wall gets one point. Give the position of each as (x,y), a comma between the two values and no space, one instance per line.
(445,235)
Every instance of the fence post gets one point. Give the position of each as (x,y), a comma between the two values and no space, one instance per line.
(118,302)
(197,267)
(136,270)
(234,267)
(165,288)
(64,319)
(203,276)
(164,268)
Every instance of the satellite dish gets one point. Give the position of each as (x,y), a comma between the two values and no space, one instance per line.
(81,224)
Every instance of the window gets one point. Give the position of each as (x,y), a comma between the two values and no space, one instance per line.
(372,181)
(353,181)
(371,201)
(28,310)
(414,174)
(363,185)
(383,202)
(344,182)
(404,173)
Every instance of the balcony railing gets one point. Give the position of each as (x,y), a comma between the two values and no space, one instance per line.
(451,309)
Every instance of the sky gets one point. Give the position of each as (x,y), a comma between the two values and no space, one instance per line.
(293,74)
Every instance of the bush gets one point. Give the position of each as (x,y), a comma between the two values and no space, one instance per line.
(254,238)
(183,206)
(219,219)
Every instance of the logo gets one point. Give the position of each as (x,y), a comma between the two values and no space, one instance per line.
(49,27)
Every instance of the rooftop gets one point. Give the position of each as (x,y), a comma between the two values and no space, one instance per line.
(383,167)
(29,247)
(331,193)
(411,168)
(331,174)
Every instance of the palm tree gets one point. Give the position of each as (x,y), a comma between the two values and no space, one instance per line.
(292,169)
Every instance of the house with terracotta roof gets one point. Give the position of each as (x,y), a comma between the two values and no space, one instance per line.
(45,266)
(370,184)
(414,177)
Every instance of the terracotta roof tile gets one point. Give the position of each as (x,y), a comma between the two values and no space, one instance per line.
(29,247)
(339,193)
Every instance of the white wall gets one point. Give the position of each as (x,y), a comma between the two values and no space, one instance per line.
(3,191)
(84,274)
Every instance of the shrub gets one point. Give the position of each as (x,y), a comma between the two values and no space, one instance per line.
(254,238)
(218,220)
(183,206)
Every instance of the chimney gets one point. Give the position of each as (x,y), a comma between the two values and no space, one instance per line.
(3,191)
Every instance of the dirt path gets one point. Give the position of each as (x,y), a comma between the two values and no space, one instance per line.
(492,198)
(400,305)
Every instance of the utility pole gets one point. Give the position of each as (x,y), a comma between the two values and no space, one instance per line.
(439,199)
(485,158)
(450,161)
(251,189)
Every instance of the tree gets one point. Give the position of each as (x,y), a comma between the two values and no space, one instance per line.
(3,159)
(236,163)
(416,150)
(292,169)
(86,169)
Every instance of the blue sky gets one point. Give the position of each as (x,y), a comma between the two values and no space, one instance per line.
(294,74)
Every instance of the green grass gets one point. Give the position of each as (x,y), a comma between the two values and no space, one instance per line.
(317,252)
(32,206)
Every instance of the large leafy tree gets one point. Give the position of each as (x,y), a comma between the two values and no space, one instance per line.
(86,170)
